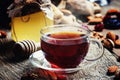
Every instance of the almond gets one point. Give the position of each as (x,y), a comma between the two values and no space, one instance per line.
(111,35)
(117,43)
(112,69)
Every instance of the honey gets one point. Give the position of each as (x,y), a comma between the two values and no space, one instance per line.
(28,27)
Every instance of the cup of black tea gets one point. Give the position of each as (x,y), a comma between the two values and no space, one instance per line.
(66,46)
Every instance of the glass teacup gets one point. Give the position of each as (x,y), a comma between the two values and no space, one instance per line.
(66,46)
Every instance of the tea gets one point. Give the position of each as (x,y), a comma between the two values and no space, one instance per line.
(65,49)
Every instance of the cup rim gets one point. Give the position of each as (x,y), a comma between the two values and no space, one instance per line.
(65,25)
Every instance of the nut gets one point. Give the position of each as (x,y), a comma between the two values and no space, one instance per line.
(117,43)
(94,21)
(112,36)
(108,43)
(98,15)
(112,69)
(97,35)
(66,12)
(117,74)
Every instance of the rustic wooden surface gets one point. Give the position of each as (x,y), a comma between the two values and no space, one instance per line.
(11,70)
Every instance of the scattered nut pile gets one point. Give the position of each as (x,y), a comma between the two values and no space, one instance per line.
(110,41)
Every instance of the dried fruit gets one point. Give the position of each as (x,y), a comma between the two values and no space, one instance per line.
(3,34)
(112,69)
(39,74)
(99,27)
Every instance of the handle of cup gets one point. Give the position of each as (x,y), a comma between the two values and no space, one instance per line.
(95,51)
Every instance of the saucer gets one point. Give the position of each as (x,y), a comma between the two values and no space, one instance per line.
(37,59)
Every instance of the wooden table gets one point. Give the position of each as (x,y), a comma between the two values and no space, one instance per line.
(13,70)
